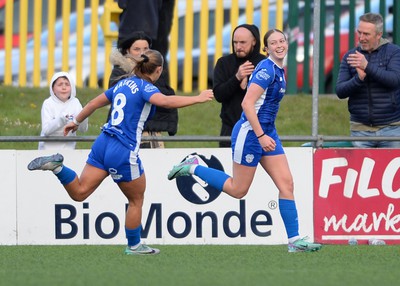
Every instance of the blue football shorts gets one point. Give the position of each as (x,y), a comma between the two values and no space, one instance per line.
(246,149)
(109,154)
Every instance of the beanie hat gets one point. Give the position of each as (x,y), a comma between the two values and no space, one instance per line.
(126,42)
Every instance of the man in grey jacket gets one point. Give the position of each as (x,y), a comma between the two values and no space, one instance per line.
(369,77)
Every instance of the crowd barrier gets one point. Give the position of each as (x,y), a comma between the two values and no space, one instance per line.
(341,193)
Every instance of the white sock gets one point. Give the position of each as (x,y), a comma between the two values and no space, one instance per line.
(192,168)
(294,238)
(134,246)
(57,170)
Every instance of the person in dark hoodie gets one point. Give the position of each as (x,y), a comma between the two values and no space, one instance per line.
(164,119)
(231,75)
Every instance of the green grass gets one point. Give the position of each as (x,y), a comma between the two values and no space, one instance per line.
(199,265)
(183,264)
(20,109)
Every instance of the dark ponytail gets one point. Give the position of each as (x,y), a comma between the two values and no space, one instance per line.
(145,58)
(147,64)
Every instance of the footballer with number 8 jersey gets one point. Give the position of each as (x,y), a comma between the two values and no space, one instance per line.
(255,141)
(116,150)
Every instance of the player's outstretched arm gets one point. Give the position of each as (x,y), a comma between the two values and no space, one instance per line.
(177,101)
(96,103)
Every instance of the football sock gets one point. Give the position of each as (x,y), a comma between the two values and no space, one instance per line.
(66,175)
(133,236)
(289,216)
(57,170)
(213,177)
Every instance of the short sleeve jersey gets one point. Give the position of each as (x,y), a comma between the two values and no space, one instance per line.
(271,78)
(130,109)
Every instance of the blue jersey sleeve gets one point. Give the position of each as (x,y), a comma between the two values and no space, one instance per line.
(148,90)
(109,94)
(262,77)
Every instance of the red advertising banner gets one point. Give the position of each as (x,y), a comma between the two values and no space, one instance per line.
(356,195)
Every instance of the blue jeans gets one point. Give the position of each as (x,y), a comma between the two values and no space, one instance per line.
(389,131)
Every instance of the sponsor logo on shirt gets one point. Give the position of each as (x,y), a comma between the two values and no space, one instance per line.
(114,174)
(149,88)
(262,75)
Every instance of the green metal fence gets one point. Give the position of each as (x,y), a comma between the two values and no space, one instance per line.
(338,21)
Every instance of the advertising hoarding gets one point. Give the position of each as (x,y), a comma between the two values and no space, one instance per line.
(356,195)
(46,215)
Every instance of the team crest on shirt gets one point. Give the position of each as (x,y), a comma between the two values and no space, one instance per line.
(249,158)
(262,75)
(149,88)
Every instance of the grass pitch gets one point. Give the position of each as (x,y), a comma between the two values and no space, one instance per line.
(199,265)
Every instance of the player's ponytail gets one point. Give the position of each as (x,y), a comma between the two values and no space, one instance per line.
(147,64)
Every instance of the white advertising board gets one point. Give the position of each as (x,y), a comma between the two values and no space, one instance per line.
(190,213)
(8,197)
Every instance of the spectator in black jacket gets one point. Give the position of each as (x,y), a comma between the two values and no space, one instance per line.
(154,19)
(231,74)
(369,77)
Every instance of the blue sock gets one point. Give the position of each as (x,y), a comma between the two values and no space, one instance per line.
(289,215)
(66,175)
(133,235)
(213,177)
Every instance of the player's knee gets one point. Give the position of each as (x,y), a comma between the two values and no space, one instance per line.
(78,197)
(240,194)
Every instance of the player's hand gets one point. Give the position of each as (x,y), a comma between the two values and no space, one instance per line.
(267,143)
(244,70)
(70,127)
(206,95)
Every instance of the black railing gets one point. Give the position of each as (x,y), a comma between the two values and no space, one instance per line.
(315,141)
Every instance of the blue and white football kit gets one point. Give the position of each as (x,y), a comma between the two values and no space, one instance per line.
(247,151)
(116,149)
(245,145)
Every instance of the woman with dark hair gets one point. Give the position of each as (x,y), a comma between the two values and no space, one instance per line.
(116,150)
(135,45)
(164,119)
(256,141)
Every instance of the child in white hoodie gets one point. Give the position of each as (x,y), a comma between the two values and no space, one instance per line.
(58,109)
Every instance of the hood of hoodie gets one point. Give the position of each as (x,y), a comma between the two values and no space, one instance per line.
(256,33)
(71,82)
(118,59)
(382,42)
